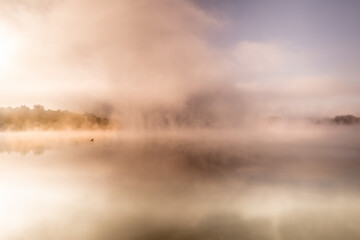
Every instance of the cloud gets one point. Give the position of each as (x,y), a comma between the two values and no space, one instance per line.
(136,56)
(260,57)
(279,80)
(153,59)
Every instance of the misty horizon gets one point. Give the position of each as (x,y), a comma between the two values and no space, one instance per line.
(183,56)
(179,120)
(24,118)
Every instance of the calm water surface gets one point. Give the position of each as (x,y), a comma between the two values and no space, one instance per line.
(180,186)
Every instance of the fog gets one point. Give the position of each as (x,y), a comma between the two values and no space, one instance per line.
(123,57)
(278,183)
(162,64)
(153,64)
(187,122)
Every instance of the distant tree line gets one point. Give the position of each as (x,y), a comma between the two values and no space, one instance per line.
(346,119)
(37,118)
(339,120)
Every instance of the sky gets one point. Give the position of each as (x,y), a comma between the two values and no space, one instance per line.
(224,60)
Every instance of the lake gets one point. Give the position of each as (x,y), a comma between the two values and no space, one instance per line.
(276,184)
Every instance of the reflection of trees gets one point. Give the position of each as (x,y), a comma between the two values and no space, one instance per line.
(222,226)
(321,224)
(37,143)
(25,147)
(24,118)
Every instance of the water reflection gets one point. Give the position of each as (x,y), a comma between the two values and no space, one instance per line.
(124,186)
(38,142)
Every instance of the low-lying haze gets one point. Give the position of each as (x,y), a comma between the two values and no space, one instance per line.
(188,62)
(247,112)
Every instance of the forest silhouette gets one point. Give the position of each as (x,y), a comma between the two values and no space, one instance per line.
(38,118)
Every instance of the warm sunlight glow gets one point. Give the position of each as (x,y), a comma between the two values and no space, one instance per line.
(17,213)
(8,47)
(182,119)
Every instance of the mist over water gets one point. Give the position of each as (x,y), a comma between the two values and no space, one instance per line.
(218,117)
(274,183)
